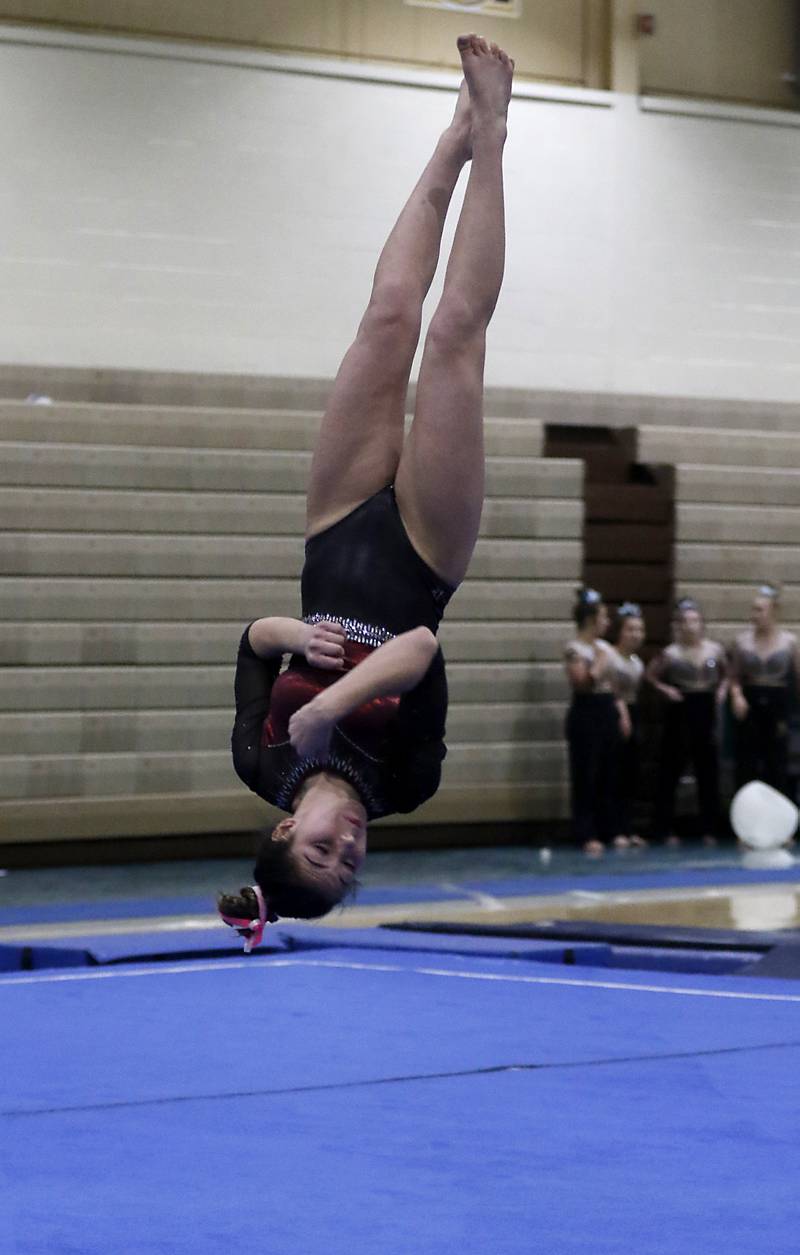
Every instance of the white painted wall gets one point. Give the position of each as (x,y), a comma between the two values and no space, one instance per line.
(169,212)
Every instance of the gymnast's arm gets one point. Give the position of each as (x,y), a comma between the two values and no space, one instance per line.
(252,687)
(723,682)
(794,674)
(734,682)
(261,650)
(415,759)
(653,675)
(582,675)
(392,669)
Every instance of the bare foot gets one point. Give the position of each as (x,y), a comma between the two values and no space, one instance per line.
(488,72)
(460,128)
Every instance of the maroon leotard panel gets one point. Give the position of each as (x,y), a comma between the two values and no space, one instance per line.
(301,682)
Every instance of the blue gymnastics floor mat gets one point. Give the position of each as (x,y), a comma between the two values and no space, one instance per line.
(349,1100)
(94,950)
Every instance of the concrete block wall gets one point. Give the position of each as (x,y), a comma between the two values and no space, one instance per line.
(228,209)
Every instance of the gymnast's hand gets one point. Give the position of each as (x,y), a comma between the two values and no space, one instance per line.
(310,730)
(671,693)
(741,706)
(324,647)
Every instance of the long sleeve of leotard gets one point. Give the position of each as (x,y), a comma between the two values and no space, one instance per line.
(252,686)
(418,749)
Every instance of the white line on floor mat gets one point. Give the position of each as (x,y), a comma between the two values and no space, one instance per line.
(225,965)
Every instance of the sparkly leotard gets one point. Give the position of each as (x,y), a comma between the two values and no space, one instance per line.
(365,574)
(592,731)
(689,731)
(693,671)
(583,651)
(761,737)
(627,672)
(773,670)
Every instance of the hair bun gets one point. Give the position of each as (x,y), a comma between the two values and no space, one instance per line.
(769,590)
(629,610)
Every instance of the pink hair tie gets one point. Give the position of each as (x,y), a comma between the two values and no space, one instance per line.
(252,930)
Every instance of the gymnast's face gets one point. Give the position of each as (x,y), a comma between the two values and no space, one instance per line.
(689,627)
(599,622)
(328,838)
(763,614)
(631,634)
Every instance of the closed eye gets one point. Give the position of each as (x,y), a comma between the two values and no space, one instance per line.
(345,881)
(351,866)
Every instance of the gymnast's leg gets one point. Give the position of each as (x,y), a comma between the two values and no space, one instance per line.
(440,478)
(359,444)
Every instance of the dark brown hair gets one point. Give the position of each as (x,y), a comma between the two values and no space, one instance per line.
(628,610)
(284,889)
(587,605)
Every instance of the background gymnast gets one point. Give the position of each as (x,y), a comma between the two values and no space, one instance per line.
(765,674)
(593,725)
(354,728)
(690,674)
(628,673)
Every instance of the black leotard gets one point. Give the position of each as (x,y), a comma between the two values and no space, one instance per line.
(761,739)
(689,732)
(364,573)
(592,731)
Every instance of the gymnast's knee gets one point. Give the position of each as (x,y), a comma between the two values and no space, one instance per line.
(394,312)
(458,329)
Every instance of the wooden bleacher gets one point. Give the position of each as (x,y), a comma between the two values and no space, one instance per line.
(146,518)
(138,539)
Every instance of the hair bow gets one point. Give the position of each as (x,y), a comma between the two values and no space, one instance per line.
(252,930)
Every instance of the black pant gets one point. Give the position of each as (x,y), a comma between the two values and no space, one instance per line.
(593,736)
(762,738)
(688,736)
(627,782)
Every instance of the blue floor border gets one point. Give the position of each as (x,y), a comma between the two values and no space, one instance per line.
(587,952)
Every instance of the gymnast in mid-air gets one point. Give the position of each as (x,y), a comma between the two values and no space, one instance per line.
(353,729)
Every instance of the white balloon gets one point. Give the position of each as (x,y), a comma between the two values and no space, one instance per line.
(770,861)
(763,818)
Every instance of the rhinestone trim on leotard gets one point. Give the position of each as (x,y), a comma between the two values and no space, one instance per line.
(355,630)
(335,763)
